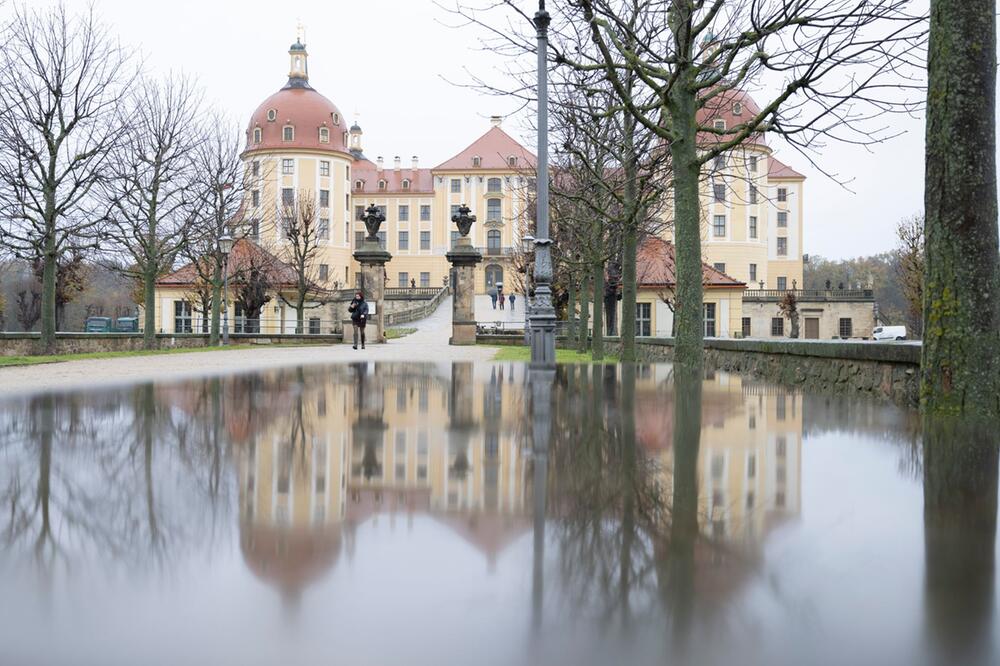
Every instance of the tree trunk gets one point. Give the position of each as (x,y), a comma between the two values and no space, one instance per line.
(629,240)
(597,344)
(687,228)
(584,315)
(50,269)
(149,316)
(213,335)
(571,310)
(960,373)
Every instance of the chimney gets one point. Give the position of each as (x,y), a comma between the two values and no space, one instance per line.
(416,163)
(495,121)
(378,161)
(396,162)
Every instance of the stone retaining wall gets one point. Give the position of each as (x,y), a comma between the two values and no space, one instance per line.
(27,344)
(883,370)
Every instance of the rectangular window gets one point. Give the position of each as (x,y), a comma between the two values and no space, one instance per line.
(846,327)
(753,165)
(324,198)
(404,213)
(287,167)
(287,196)
(782,283)
(287,133)
(404,240)
(753,226)
(709,310)
(314,325)
(425,240)
(347,237)
(255,198)
(382,239)
(719,226)
(777,326)
(255,168)
(719,190)
(425,279)
(782,218)
(324,168)
(425,213)
(493,185)
(753,194)
(359,212)
(182,317)
(404,279)
(745,328)
(323,230)
(324,272)
(347,202)
(643,319)
(454,237)
(782,246)
(456,185)
(384,210)
(454,211)
(493,210)
(751,466)
(753,272)
(720,161)
(721,267)
(782,194)
(359,238)
(255,228)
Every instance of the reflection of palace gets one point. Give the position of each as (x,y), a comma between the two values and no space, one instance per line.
(749,459)
(363,441)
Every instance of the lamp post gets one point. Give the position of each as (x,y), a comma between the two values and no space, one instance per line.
(225,247)
(543,314)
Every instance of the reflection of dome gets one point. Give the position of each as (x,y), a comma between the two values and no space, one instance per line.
(289,557)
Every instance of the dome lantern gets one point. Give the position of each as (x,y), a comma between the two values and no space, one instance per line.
(298,71)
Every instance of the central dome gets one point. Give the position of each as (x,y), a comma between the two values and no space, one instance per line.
(297,106)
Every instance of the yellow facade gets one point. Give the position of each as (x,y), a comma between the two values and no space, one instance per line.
(725,305)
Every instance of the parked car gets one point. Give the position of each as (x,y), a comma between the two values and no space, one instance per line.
(98,325)
(889,333)
(127,324)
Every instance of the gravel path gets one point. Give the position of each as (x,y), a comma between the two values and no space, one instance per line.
(428,343)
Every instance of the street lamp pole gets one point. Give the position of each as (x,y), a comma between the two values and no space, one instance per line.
(225,247)
(543,315)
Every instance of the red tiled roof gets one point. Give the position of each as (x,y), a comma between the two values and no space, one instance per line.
(722,106)
(307,111)
(494,148)
(778,169)
(421,180)
(655,267)
(282,275)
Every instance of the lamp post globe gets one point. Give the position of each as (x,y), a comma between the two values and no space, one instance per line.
(225,248)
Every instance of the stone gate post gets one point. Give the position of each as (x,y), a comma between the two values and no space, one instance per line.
(463,258)
(373,259)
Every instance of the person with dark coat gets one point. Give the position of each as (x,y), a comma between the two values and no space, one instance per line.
(510,299)
(359,317)
(500,296)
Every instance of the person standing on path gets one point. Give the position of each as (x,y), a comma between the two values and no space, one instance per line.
(493,297)
(500,296)
(510,299)
(359,317)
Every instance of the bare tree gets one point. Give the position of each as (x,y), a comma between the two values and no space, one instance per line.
(960,372)
(253,278)
(62,78)
(152,182)
(301,230)
(910,269)
(29,306)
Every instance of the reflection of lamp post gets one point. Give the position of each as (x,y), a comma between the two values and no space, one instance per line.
(225,247)
(543,314)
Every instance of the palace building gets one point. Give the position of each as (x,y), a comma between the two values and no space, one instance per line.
(300,148)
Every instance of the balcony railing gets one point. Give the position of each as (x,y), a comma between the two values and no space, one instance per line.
(403,292)
(495,251)
(810,294)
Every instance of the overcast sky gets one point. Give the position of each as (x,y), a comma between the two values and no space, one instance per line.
(391,62)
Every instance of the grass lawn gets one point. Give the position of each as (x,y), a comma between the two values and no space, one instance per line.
(393,333)
(58,358)
(562,355)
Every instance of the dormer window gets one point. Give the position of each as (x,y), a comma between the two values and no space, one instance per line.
(512,161)
(345,138)
(336,118)
(477,161)
(271,115)
(737,109)
(359,184)
(256,135)
(324,135)
(406,183)
(287,133)
(381,184)
(720,125)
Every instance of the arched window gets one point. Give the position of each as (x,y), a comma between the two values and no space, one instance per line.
(512,161)
(336,118)
(477,161)
(324,135)
(406,183)
(256,135)
(359,184)
(345,138)
(381,184)
(737,109)
(272,114)
(493,185)
(493,210)
(493,241)
(287,133)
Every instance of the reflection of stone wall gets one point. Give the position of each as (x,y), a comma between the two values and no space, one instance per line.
(881,370)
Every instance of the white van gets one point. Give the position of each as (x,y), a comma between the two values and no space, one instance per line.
(889,333)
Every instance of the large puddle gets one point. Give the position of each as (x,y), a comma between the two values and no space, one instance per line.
(419,514)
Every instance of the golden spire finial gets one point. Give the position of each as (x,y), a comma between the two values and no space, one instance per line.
(300,32)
